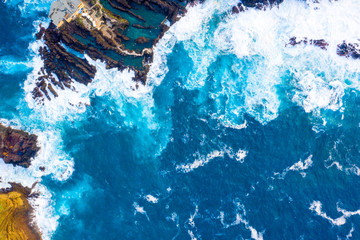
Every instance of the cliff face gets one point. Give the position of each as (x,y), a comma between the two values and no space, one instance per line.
(16,146)
(15,215)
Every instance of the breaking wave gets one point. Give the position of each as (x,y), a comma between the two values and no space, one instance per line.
(259,60)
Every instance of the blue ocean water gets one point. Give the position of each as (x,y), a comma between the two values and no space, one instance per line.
(236,136)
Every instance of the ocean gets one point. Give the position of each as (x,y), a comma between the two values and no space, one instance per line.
(236,135)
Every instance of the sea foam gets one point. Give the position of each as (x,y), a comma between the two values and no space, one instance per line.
(316,206)
(263,60)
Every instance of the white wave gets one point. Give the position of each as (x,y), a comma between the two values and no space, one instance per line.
(314,93)
(316,206)
(258,39)
(240,219)
(336,164)
(132,98)
(241,155)
(299,166)
(44,216)
(191,224)
(229,124)
(190,28)
(140,209)
(349,235)
(348,168)
(200,162)
(150,198)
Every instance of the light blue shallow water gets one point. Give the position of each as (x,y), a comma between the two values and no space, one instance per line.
(228,146)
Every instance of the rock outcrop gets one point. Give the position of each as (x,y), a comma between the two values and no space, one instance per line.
(17,147)
(349,50)
(120,33)
(321,43)
(15,212)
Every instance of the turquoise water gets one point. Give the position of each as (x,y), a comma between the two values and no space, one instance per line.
(151,18)
(235,136)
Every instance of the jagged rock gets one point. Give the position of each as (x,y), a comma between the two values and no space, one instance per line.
(261,4)
(349,50)
(17,147)
(321,43)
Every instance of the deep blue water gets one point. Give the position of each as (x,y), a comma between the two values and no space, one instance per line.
(165,166)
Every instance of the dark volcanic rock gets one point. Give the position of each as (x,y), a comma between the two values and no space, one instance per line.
(349,50)
(17,147)
(60,63)
(321,43)
(259,4)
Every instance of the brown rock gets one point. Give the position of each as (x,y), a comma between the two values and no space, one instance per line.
(142,40)
(17,147)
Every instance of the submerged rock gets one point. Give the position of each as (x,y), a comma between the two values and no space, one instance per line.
(15,212)
(142,40)
(17,147)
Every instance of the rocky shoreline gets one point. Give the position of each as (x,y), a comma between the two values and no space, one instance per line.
(121,37)
(117,32)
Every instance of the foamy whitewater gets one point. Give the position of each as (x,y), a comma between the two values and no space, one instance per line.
(236,135)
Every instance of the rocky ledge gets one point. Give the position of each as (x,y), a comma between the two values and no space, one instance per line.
(120,33)
(17,147)
(15,215)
